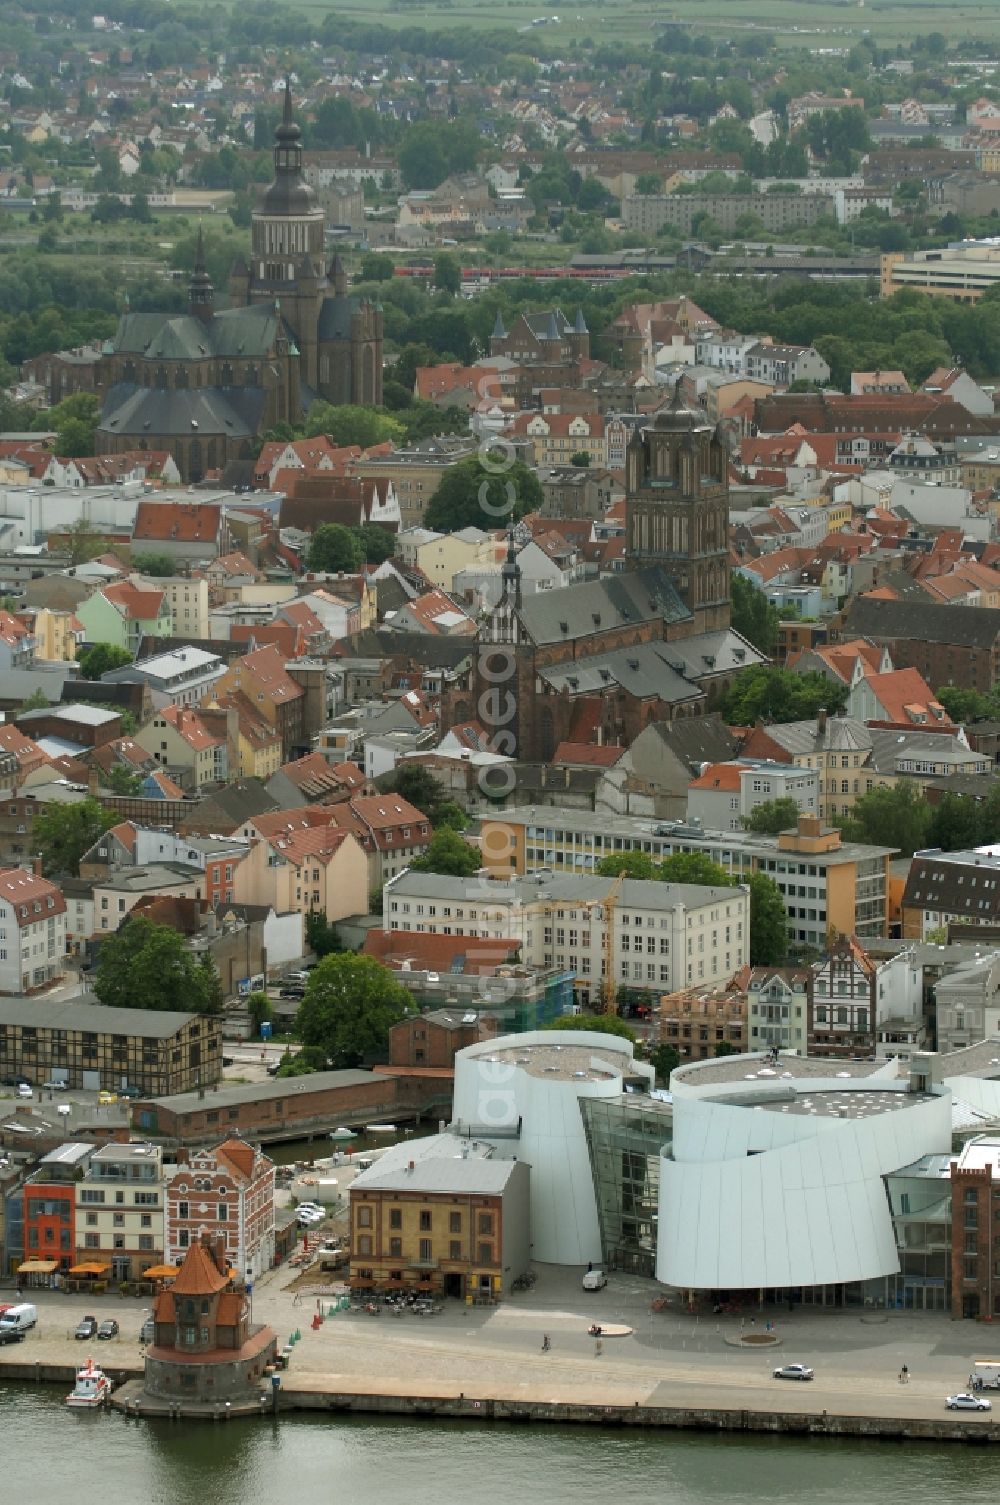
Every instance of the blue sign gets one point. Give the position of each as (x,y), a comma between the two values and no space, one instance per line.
(265,1029)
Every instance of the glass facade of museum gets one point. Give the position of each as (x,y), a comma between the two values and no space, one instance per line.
(625,1136)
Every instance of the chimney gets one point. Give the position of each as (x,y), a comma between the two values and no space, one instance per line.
(821,723)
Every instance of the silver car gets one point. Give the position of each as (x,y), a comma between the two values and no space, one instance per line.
(967,1402)
(793,1372)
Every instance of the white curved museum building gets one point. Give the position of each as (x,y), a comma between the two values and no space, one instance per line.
(774,1176)
(523,1094)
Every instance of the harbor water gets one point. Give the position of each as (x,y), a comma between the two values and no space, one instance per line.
(61,1457)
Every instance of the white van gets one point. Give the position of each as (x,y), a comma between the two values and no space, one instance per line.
(20,1317)
(594,1280)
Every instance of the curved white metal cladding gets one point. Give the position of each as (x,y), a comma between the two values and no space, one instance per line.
(752,1197)
(537,1080)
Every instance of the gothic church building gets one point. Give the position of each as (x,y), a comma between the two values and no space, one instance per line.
(204,384)
(599,661)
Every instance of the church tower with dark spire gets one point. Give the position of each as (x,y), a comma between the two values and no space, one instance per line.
(677,508)
(287,245)
(201,293)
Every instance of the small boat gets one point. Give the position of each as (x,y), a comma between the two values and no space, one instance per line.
(92,1386)
(381,1128)
(341,1134)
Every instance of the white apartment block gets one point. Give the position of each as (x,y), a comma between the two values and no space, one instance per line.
(663,936)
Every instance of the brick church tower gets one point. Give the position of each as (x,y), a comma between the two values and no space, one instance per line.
(677,509)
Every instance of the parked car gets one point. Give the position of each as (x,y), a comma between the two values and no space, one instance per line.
(86,1328)
(108,1328)
(297,976)
(595,1280)
(310,1212)
(967,1402)
(793,1372)
(294,990)
(23,1090)
(106,1098)
(10,1334)
(54,1085)
(128,1092)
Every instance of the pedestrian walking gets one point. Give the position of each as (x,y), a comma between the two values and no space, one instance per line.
(598,1347)
(546,1345)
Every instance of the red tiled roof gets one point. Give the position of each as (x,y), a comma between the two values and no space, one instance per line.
(177,522)
(719,776)
(23,890)
(134,604)
(587,755)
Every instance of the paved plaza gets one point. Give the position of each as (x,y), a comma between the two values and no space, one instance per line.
(670,1358)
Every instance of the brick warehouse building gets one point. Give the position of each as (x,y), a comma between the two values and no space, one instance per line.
(950,645)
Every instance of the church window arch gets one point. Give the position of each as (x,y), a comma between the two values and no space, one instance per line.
(368,375)
(252,379)
(161,378)
(181,378)
(226,374)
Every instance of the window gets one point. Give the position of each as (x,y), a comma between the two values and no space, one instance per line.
(425,1221)
(182,1210)
(395,1217)
(425,1251)
(455,1249)
(486,1223)
(396,1247)
(364,1217)
(365,1244)
(455,1222)
(222,1211)
(485,1254)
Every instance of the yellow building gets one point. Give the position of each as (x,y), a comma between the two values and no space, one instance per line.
(188,602)
(441,1217)
(963,273)
(294,871)
(442,555)
(58,634)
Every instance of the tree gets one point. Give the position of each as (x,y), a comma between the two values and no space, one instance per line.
(321,936)
(581,459)
(147,966)
(753,615)
(471,496)
(351,1002)
(725,1048)
(419,786)
(123,780)
(334,549)
(36,701)
(664,1059)
(772,816)
(83,542)
(966,705)
(449,853)
(602,1024)
(259,1008)
(377,543)
(885,817)
(100,658)
(63,833)
(766,693)
(693,867)
(352,425)
(447,273)
(376,267)
(154,564)
(632,864)
(768,922)
(210,990)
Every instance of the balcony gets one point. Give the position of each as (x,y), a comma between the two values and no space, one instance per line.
(420,1264)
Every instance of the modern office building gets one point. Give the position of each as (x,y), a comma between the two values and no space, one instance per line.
(119,1212)
(827,884)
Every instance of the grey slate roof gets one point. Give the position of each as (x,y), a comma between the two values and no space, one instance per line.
(714,653)
(801,737)
(335,318)
(643,596)
(966,626)
(255,1092)
(643,671)
(72,1015)
(205,411)
(889,746)
(247,333)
